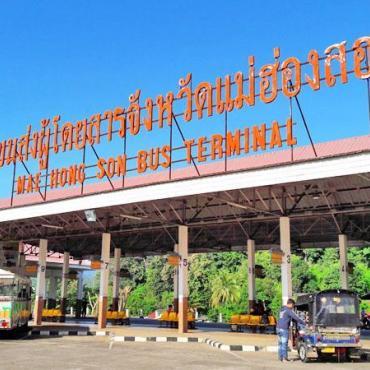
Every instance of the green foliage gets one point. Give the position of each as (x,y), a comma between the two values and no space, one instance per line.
(218,281)
(167,299)
(142,298)
(136,268)
(302,277)
(225,289)
(200,272)
(326,270)
(360,279)
(72,292)
(159,276)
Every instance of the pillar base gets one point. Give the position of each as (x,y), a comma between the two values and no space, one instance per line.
(78,309)
(63,309)
(115,304)
(39,305)
(183,316)
(252,303)
(176,304)
(102,312)
(52,303)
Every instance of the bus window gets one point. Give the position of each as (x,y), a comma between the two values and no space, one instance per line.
(7,288)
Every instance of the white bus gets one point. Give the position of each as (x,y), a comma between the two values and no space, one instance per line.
(15,301)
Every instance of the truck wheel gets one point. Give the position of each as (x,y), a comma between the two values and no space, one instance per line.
(302,352)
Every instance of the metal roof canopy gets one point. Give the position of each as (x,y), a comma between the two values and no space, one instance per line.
(324,197)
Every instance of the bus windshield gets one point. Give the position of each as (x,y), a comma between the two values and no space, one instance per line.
(7,287)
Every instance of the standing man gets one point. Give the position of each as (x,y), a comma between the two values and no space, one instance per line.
(282,328)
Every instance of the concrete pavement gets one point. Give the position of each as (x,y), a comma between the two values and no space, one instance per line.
(80,353)
(219,334)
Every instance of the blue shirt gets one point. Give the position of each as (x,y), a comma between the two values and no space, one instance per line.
(286,316)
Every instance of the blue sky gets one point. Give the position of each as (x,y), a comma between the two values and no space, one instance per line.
(76,58)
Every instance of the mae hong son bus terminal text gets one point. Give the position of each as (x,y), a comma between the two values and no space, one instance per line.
(254,139)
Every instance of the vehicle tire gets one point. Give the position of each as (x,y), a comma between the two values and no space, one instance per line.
(24,327)
(348,355)
(363,357)
(302,352)
(321,356)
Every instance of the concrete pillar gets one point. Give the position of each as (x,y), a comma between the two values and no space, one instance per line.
(21,263)
(343,246)
(183,279)
(104,279)
(116,277)
(64,285)
(80,294)
(176,284)
(40,283)
(251,273)
(52,291)
(286,266)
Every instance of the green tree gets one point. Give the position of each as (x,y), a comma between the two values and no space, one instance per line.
(359,281)
(201,269)
(218,281)
(136,269)
(142,298)
(326,270)
(72,292)
(159,276)
(225,289)
(304,281)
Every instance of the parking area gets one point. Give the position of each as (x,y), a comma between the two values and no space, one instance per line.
(94,353)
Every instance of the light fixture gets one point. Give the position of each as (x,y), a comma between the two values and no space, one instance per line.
(131,217)
(237,205)
(53,227)
(316,196)
(90,215)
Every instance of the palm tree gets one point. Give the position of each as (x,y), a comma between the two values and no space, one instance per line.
(225,289)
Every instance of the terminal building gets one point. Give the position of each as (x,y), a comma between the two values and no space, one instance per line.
(241,189)
(263,202)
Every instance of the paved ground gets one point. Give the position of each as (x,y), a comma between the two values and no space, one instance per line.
(149,328)
(93,353)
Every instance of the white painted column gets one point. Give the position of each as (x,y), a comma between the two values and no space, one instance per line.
(21,263)
(104,279)
(65,273)
(343,246)
(40,282)
(116,277)
(176,283)
(286,266)
(183,279)
(251,273)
